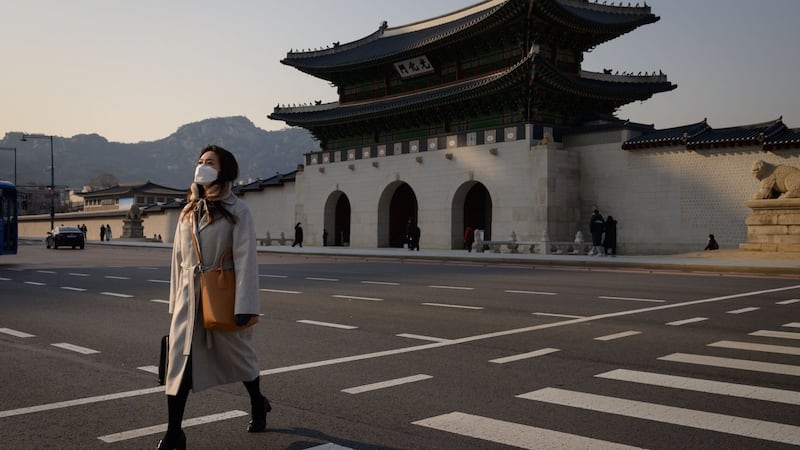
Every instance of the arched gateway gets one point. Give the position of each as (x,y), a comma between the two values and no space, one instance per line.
(397,204)
(337,219)
(472,206)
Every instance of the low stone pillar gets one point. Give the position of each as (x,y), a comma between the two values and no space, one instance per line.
(774,225)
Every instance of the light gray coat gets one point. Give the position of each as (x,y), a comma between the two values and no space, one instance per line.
(218,357)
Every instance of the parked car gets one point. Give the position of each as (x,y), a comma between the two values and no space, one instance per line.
(65,236)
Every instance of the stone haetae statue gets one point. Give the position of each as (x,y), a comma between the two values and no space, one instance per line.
(776,180)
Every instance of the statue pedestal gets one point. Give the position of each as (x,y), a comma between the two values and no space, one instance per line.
(774,225)
(132,229)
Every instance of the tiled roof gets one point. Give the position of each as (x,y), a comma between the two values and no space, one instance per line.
(390,42)
(259,185)
(769,135)
(141,187)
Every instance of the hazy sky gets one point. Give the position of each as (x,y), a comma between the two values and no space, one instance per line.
(137,70)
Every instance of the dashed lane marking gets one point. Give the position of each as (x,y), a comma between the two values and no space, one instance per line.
(45,271)
(113,277)
(513,291)
(512,434)
(351,297)
(707,386)
(273,276)
(678,323)
(70,288)
(447,305)
(743,310)
(156,429)
(422,338)
(35,283)
(788,302)
(382,283)
(792,325)
(75,348)
(16,333)
(158,300)
(533,354)
(567,316)
(739,426)
(327,324)
(386,384)
(621,335)
(159,281)
(458,288)
(80,401)
(149,369)
(75,274)
(632,299)
(115,294)
(280,291)
(321,279)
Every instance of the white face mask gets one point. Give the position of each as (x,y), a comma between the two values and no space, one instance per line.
(204,174)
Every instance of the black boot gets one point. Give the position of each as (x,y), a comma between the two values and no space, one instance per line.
(173,442)
(258,417)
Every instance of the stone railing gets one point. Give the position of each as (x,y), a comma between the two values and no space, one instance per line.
(544,246)
(267,241)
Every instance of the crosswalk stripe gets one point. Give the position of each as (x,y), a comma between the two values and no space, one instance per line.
(533,354)
(678,323)
(19,334)
(708,386)
(155,429)
(743,310)
(776,334)
(739,426)
(782,349)
(621,335)
(327,324)
(386,384)
(730,363)
(513,434)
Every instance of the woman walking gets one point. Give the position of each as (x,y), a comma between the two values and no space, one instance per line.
(199,358)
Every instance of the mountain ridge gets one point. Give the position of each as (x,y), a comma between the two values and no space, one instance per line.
(169,161)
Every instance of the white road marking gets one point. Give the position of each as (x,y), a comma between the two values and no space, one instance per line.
(730,363)
(69,288)
(327,324)
(385,384)
(279,291)
(157,429)
(569,316)
(321,279)
(35,283)
(423,338)
(459,288)
(521,356)
(623,334)
(743,310)
(149,369)
(632,299)
(158,300)
(512,291)
(512,434)
(447,305)
(708,386)
(16,333)
(383,283)
(739,426)
(80,401)
(782,349)
(788,302)
(329,446)
(74,274)
(75,348)
(351,297)
(114,294)
(776,334)
(45,271)
(274,276)
(678,323)
(112,277)
(5,279)
(792,324)
(159,281)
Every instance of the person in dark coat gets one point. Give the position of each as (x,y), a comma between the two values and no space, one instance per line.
(416,232)
(102,233)
(324,237)
(712,243)
(596,227)
(298,235)
(469,238)
(610,239)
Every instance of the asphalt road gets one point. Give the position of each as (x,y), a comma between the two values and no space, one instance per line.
(379,354)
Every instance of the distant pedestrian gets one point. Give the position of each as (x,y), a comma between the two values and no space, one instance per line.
(596,227)
(102,233)
(469,238)
(108,232)
(610,239)
(324,237)
(416,232)
(84,230)
(298,235)
(712,243)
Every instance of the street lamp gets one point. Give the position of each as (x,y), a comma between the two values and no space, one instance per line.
(25,137)
(15,161)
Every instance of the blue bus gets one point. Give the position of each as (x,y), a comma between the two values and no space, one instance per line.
(8,218)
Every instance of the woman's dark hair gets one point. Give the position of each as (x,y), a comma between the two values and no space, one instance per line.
(229,168)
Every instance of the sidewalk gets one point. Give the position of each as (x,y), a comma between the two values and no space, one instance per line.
(719,261)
